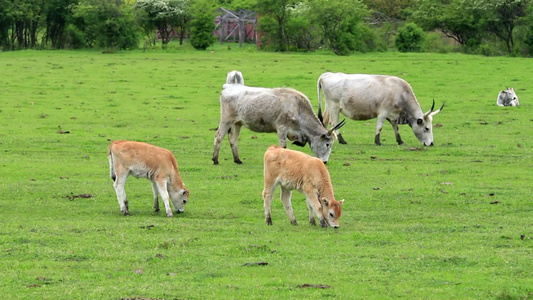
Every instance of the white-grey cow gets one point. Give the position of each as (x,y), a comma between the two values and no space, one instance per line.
(283,110)
(364,97)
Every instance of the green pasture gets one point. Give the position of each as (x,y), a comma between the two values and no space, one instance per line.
(453,221)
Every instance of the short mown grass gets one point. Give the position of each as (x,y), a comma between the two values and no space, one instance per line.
(454,221)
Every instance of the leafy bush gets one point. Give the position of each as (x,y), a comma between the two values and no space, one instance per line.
(410,38)
(202,31)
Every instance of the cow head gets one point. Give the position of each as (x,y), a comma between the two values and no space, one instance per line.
(321,144)
(508,97)
(331,211)
(423,127)
(179,199)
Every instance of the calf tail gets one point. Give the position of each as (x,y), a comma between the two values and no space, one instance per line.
(112,172)
(318,88)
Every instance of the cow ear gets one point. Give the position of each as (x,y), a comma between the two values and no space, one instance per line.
(420,122)
(184,192)
(323,137)
(325,202)
(341,202)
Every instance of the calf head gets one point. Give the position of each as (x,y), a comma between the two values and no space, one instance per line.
(331,211)
(321,144)
(179,198)
(423,127)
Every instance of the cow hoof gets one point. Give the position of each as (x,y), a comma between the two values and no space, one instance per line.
(170,215)
(294,223)
(268,221)
(238,161)
(156,210)
(215,161)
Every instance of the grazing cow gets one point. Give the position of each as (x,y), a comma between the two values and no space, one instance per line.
(507,98)
(363,97)
(282,110)
(143,160)
(294,170)
(235,77)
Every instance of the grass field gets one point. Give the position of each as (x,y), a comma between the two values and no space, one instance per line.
(454,221)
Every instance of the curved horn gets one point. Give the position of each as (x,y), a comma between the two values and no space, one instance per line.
(432,107)
(339,125)
(438,110)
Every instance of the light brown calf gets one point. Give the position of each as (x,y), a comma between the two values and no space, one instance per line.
(143,160)
(294,170)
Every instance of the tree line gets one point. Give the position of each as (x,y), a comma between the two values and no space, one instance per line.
(489,27)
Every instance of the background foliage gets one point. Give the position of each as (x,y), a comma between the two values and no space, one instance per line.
(489,27)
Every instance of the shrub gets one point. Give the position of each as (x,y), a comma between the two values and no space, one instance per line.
(202,31)
(410,38)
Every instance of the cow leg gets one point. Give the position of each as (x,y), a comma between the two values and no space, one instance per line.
(282,137)
(163,191)
(119,183)
(286,200)
(333,113)
(396,132)
(233,137)
(155,192)
(379,125)
(268,192)
(221,132)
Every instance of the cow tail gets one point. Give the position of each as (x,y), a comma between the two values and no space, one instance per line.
(318,88)
(112,172)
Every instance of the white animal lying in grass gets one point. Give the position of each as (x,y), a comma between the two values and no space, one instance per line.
(507,98)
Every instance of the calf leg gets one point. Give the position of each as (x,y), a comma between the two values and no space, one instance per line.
(268,192)
(311,213)
(155,192)
(120,181)
(286,200)
(223,128)
(312,201)
(163,191)
(233,137)
(396,132)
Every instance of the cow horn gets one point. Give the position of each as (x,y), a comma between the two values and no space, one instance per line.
(339,125)
(438,110)
(431,110)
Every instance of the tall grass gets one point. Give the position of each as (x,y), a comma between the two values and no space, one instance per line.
(451,221)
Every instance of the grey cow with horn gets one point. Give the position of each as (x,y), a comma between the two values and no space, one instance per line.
(285,111)
(364,97)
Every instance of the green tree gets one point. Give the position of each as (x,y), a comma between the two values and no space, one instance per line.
(163,15)
(277,10)
(203,26)
(58,15)
(457,19)
(338,20)
(107,24)
(503,16)
(410,38)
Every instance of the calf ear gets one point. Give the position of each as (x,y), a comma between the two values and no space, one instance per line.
(185,192)
(325,202)
(420,122)
(341,202)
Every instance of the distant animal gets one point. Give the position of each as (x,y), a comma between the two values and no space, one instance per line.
(364,97)
(235,77)
(285,111)
(507,97)
(294,170)
(143,160)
